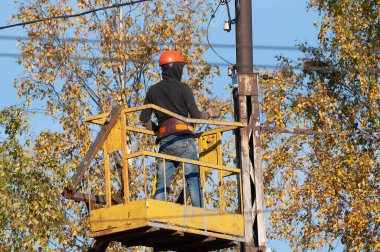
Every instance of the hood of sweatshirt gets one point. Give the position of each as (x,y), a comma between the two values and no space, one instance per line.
(172,71)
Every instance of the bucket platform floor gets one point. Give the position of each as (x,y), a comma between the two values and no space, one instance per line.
(166,226)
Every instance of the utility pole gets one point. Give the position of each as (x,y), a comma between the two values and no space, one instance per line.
(249,139)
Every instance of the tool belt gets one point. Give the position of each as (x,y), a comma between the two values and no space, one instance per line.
(173,126)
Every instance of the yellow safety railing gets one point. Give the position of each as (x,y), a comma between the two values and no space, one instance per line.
(210,153)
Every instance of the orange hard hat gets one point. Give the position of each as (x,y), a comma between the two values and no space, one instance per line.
(170,56)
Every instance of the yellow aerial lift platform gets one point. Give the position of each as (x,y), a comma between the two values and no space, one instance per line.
(139,220)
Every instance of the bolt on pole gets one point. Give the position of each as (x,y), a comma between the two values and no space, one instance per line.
(249,137)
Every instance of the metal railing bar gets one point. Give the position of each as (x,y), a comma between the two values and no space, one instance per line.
(164,166)
(140,130)
(184,184)
(178,159)
(145,180)
(95,118)
(213,131)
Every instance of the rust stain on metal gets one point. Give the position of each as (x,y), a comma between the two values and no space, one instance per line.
(251,89)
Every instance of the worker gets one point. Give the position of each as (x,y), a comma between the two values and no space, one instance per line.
(174,136)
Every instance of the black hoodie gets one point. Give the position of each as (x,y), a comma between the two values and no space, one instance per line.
(171,94)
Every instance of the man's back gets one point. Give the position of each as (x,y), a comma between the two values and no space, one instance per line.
(172,95)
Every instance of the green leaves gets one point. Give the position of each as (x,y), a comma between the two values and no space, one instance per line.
(28,201)
(79,67)
(330,181)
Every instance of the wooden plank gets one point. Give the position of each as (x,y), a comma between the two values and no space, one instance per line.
(258,173)
(95,147)
(245,173)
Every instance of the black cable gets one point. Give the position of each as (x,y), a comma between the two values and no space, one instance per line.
(73,15)
(207,37)
(228,11)
(230,20)
(237,12)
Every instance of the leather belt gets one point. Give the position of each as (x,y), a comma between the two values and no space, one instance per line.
(173,126)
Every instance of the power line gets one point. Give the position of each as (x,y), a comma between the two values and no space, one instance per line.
(73,15)
(259,47)
(207,34)
(16,55)
(258,66)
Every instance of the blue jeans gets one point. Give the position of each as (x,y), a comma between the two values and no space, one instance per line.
(179,146)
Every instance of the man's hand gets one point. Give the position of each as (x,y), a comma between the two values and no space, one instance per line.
(150,125)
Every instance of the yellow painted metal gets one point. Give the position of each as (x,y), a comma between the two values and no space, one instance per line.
(210,132)
(222,205)
(107,175)
(113,141)
(184,119)
(145,212)
(194,217)
(145,176)
(144,131)
(149,212)
(99,119)
(196,231)
(227,173)
(118,218)
(164,168)
(190,161)
(220,162)
(208,151)
(124,161)
(155,184)
(184,184)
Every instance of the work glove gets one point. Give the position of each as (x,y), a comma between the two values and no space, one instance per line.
(214,112)
(150,125)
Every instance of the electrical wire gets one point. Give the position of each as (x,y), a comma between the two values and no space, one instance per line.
(227,64)
(73,15)
(225,2)
(258,47)
(110,59)
(207,32)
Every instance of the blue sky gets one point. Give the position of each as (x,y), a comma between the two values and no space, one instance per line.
(275,23)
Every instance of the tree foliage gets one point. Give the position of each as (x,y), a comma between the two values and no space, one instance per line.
(82,66)
(32,212)
(324,189)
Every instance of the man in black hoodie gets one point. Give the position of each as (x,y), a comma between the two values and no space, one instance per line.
(173,135)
